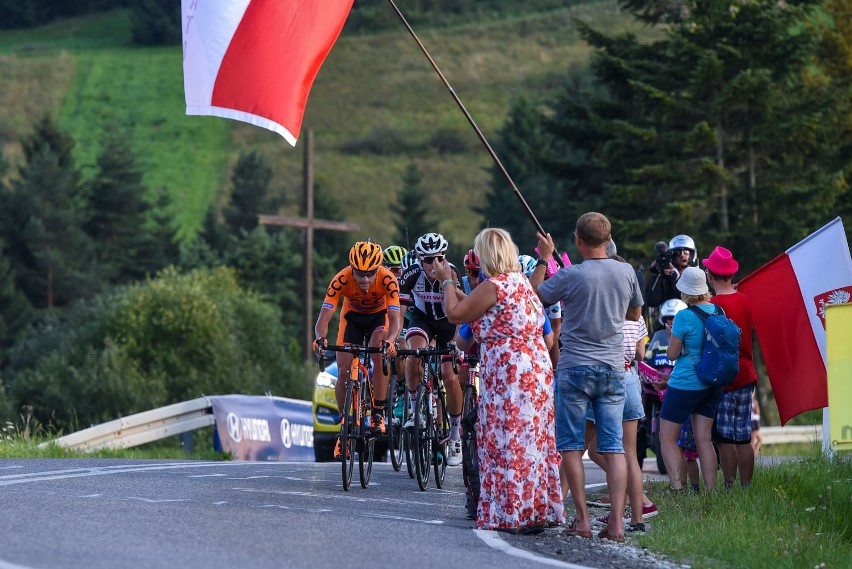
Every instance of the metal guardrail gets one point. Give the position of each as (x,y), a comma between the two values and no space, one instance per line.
(142,428)
(150,426)
(785,435)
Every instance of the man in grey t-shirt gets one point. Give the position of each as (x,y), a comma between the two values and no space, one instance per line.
(598,295)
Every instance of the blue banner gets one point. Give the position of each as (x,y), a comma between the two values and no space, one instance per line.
(263,428)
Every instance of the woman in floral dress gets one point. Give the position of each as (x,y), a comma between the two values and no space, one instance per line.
(518,462)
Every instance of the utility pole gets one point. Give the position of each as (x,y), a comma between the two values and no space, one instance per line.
(308,223)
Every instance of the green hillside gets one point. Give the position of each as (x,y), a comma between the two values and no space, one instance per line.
(374,90)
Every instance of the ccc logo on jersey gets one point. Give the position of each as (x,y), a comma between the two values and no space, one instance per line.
(336,286)
(390,283)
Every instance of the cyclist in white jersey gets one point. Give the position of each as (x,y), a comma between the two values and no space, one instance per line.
(422,294)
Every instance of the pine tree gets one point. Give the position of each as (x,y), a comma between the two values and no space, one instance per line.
(250,194)
(522,146)
(119,215)
(50,252)
(413,217)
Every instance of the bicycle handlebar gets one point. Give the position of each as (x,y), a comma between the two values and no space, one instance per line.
(430,351)
(354,349)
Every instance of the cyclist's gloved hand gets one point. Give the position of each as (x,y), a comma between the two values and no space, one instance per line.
(319,345)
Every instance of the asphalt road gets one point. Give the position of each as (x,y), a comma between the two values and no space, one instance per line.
(108,514)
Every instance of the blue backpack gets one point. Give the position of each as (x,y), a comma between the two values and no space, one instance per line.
(720,349)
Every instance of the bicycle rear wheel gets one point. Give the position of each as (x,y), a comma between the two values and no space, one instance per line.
(441,444)
(348,437)
(468,434)
(396,393)
(422,437)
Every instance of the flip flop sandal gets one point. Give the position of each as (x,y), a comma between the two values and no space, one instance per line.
(572,531)
(604,534)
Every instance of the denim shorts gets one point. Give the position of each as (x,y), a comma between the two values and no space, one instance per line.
(577,389)
(678,404)
(633,409)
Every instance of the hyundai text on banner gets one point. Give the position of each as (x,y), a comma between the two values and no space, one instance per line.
(264,428)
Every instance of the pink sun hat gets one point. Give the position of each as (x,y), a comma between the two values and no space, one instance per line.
(721,262)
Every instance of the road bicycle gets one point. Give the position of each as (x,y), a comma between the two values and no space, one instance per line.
(356,437)
(428,441)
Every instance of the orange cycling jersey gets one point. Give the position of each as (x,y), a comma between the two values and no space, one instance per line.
(382,295)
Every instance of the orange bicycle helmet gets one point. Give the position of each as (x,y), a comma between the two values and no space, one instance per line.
(365,256)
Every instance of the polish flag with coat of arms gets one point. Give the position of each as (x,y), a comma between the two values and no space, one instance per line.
(255,60)
(788,298)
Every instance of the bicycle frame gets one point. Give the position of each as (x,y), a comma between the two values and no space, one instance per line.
(358,401)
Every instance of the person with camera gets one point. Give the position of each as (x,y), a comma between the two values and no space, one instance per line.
(670,262)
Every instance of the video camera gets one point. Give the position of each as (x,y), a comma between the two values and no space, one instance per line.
(662,256)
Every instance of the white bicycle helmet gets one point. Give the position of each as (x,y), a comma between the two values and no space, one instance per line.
(431,244)
(671,307)
(685,242)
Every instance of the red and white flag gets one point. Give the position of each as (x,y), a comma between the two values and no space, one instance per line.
(255,60)
(788,298)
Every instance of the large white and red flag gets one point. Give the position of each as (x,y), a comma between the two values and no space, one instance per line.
(788,298)
(255,60)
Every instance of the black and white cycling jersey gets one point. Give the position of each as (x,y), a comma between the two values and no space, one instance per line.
(423,294)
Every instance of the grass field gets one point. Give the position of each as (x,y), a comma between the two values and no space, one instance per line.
(372,87)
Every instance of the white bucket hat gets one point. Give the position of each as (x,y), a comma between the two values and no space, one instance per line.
(693,282)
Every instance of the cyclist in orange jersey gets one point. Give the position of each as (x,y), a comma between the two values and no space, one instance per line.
(370,294)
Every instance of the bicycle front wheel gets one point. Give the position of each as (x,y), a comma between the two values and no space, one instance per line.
(348,437)
(365,454)
(422,436)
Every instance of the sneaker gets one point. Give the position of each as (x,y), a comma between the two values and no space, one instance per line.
(649,511)
(638,527)
(398,407)
(454,455)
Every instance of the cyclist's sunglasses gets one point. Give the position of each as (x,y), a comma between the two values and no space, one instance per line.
(361,274)
(432,259)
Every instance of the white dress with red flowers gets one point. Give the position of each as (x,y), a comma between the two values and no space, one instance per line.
(518,462)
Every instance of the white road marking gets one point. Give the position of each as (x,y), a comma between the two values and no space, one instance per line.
(23,478)
(7,565)
(399,518)
(493,540)
(158,500)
